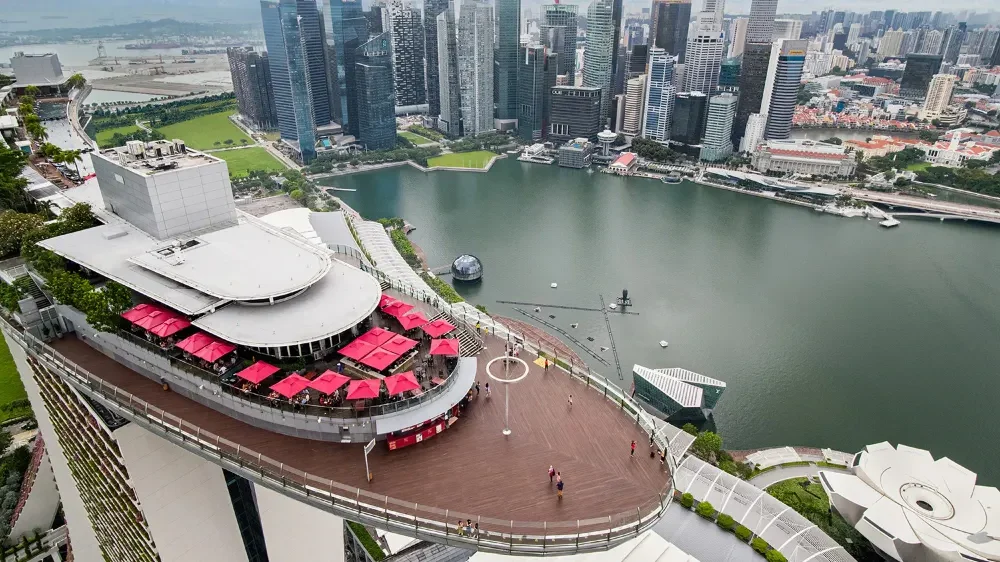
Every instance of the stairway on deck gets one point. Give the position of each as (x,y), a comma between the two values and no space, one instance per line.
(468,344)
(41,301)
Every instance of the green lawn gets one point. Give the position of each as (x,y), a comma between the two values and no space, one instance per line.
(104,137)
(201,133)
(10,385)
(414,138)
(919,166)
(248,159)
(477,159)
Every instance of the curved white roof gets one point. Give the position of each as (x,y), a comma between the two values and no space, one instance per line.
(916,508)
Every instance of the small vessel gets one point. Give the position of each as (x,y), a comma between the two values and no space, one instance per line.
(672,177)
(612,305)
(663,343)
(554,285)
(574,324)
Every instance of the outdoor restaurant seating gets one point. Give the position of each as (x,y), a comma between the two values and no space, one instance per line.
(437,328)
(444,347)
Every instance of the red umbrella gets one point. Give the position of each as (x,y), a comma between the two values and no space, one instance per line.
(363,389)
(385,300)
(357,349)
(170,327)
(379,359)
(412,320)
(195,342)
(139,311)
(444,347)
(398,308)
(154,319)
(399,345)
(376,336)
(214,351)
(328,382)
(400,383)
(257,372)
(437,328)
(291,385)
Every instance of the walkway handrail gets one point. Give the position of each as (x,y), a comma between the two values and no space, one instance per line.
(425,522)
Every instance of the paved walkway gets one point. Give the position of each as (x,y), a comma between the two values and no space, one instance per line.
(775,475)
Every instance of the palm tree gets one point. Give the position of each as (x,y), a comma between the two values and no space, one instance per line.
(37,131)
(50,151)
(72,157)
(33,91)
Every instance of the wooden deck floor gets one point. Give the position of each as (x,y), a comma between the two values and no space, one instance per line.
(471,468)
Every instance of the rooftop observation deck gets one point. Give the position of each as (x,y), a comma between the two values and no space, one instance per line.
(470,471)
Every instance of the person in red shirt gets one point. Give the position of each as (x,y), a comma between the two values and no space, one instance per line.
(632,454)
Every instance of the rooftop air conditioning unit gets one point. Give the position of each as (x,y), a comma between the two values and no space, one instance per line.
(136,148)
(179,146)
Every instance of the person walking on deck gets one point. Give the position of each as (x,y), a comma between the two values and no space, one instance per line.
(632,454)
(559,486)
(570,400)
(552,473)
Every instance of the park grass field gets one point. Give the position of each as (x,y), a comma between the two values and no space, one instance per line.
(919,166)
(475,159)
(11,388)
(201,133)
(104,137)
(414,138)
(246,160)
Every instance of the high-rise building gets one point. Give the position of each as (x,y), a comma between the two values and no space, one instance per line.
(951,43)
(599,53)
(761,26)
(251,74)
(376,97)
(660,93)
(718,144)
(753,74)
(508,16)
(557,32)
(432,9)
(536,72)
(475,65)
(754,133)
(705,50)
(781,88)
(930,42)
(688,123)
(920,68)
(939,94)
(378,17)
(737,36)
(990,40)
(852,35)
(995,58)
(729,74)
(311,35)
(406,30)
(617,7)
(635,34)
(668,28)
(909,43)
(575,112)
(290,76)
(635,106)
(450,93)
(349,28)
(787,29)
(890,43)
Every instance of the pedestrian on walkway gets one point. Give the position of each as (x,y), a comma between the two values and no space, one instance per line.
(477,395)
(460,528)
(632,454)
(559,486)
(552,473)
(663,457)
(487,389)
(468,527)
(652,447)
(571,401)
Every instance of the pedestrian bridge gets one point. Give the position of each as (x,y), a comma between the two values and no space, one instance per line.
(946,216)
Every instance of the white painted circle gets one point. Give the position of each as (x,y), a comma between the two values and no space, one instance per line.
(518,360)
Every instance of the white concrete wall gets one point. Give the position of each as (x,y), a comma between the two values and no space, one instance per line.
(85,547)
(42,503)
(184,499)
(294,531)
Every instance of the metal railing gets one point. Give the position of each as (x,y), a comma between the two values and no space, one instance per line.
(423,522)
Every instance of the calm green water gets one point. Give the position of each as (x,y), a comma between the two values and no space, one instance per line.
(830,332)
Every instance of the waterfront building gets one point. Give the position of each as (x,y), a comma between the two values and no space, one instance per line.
(599,52)
(753,74)
(954,151)
(290,78)
(938,94)
(575,112)
(781,87)
(761,26)
(407,33)
(660,91)
(450,118)
(626,164)
(606,138)
(251,75)
(432,9)
(890,43)
(787,29)
(557,31)
(576,153)
(737,37)
(508,16)
(349,29)
(376,95)
(920,69)
(679,394)
(475,66)
(44,71)
(635,107)
(912,507)
(754,132)
(690,113)
(804,157)
(668,28)
(536,73)
(717,144)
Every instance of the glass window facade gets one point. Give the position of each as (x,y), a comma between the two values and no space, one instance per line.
(247,516)
(467,268)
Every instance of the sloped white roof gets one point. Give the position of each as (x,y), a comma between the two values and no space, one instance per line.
(690,376)
(687,395)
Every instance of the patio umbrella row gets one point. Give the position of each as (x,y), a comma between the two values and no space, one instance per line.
(411,319)
(329,382)
(156,320)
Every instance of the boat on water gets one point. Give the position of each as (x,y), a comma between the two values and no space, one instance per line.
(672,177)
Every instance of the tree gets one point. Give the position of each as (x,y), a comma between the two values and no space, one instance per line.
(974,164)
(37,131)
(228,142)
(901,182)
(706,444)
(929,136)
(33,91)
(297,195)
(690,428)
(72,157)
(775,556)
(6,80)
(13,228)
(243,142)
(217,144)
(687,500)
(725,521)
(742,533)
(49,151)
(833,140)
(76,81)
(760,545)
(706,510)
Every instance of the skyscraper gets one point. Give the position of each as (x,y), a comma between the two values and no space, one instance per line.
(756,123)
(575,112)
(761,26)
(508,16)
(753,73)
(920,68)
(376,98)
(251,74)
(617,7)
(688,123)
(890,43)
(787,29)
(781,87)
(705,50)
(432,9)
(995,58)
(939,94)
(660,93)
(931,42)
(557,31)
(668,28)
(951,44)
(450,94)
(717,144)
(313,48)
(599,52)
(737,36)
(349,28)
(536,73)
(406,31)
(635,106)
(475,65)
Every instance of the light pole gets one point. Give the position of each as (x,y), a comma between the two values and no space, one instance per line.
(506,399)
(506,381)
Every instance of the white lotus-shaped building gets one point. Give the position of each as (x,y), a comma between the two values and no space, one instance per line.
(915,508)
